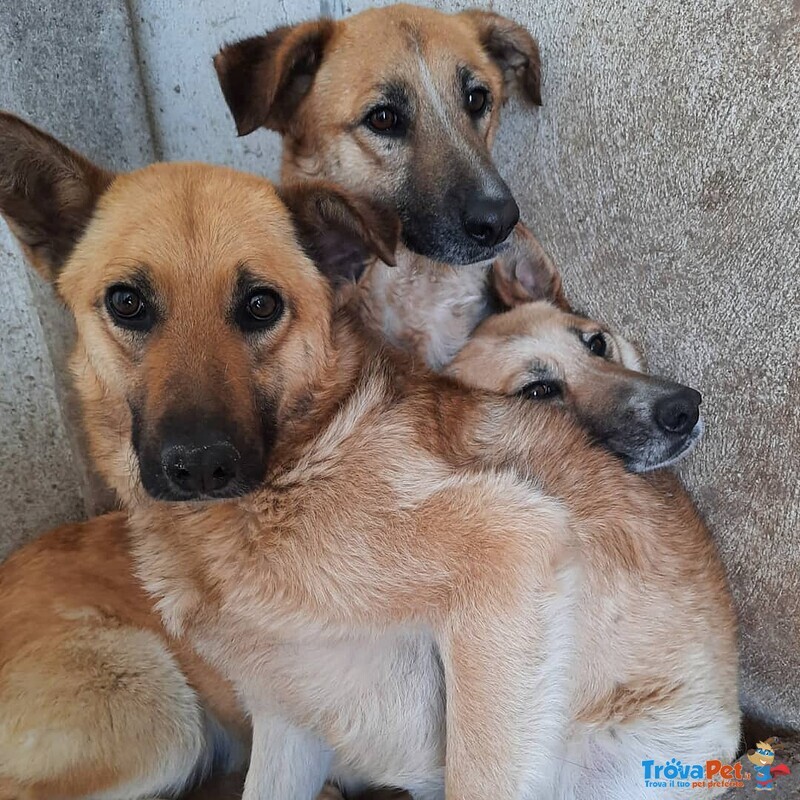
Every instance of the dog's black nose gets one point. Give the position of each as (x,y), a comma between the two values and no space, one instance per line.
(489,220)
(678,412)
(203,469)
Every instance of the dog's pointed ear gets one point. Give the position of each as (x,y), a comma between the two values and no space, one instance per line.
(264,78)
(514,50)
(341,234)
(48,193)
(524,273)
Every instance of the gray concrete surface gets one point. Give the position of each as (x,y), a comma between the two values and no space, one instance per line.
(70,67)
(40,481)
(663,174)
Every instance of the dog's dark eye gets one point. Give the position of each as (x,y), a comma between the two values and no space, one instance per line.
(476,101)
(261,309)
(597,344)
(540,390)
(127,307)
(263,305)
(383,120)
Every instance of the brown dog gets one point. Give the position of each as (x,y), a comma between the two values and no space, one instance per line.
(87,625)
(111,630)
(389,568)
(546,355)
(96,698)
(400,105)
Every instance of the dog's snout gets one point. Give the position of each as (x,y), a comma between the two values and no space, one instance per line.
(202,453)
(678,413)
(201,469)
(489,220)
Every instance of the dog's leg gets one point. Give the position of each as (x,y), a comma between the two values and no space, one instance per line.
(507,674)
(286,762)
(506,710)
(89,710)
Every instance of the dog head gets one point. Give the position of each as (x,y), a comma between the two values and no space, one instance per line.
(202,300)
(546,355)
(399,105)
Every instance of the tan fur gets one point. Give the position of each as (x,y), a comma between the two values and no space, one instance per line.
(569,601)
(94,694)
(411,41)
(424,306)
(96,698)
(431,310)
(544,354)
(313,83)
(501,353)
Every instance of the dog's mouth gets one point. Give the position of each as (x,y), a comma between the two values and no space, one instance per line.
(208,471)
(164,492)
(166,489)
(453,251)
(657,457)
(446,243)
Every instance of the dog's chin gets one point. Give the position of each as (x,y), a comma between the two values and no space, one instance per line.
(659,458)
(456,250)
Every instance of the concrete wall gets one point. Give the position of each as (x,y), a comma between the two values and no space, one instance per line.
(661,173)
(71,67)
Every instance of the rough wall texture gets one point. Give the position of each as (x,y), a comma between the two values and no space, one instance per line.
(664,178)
(71,68)
(663,174)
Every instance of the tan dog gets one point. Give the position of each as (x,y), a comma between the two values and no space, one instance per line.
(544,354)
(188,712)
(400,105)
(407,583)
(72,599)
(96,698)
